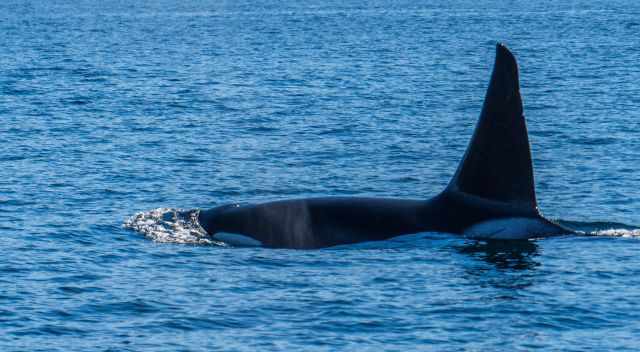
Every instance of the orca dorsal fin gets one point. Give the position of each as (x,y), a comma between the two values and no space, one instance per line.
(497,164)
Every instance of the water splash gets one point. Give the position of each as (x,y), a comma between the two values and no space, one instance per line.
(170,225)
(602,228)
(635,233)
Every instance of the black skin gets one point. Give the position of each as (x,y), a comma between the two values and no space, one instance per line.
(324,222)
(494,181)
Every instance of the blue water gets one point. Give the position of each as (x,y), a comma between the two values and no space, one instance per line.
(110,109)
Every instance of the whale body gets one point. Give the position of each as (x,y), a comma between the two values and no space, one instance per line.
(491,195)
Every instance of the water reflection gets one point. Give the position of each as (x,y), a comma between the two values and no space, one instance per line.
(514,255)
(508,266)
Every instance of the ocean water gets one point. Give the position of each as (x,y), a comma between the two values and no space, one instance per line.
(117,117)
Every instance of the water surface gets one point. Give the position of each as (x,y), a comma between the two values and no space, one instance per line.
(111,108)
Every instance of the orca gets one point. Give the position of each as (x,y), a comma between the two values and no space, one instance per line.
(491,195)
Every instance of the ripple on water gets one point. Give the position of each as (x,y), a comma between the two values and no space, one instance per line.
(110,106)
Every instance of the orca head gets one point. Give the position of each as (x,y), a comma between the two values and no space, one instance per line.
(493,189)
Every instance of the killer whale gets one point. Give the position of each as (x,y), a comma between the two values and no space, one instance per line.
(491,195)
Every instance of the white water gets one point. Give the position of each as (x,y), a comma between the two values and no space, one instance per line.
(635,233)
(170,225)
